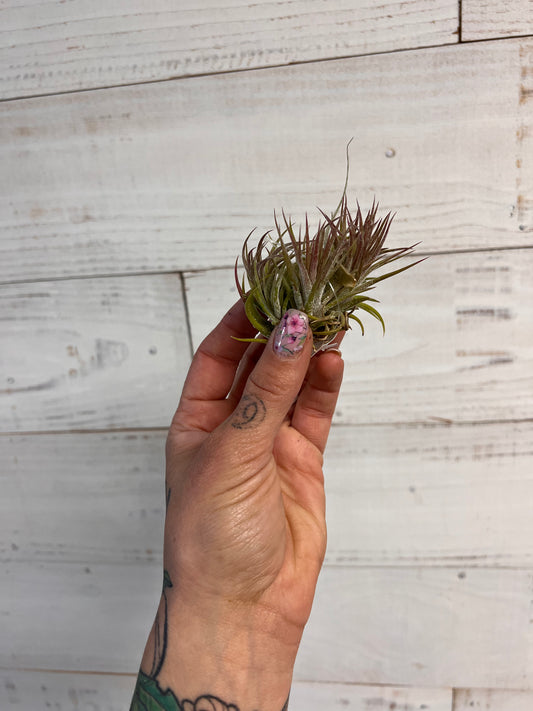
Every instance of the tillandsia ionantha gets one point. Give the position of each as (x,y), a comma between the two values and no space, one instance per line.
(326,275)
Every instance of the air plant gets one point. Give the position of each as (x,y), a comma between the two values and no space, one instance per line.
(327,275)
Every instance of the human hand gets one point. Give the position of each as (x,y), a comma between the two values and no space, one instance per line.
(245,533)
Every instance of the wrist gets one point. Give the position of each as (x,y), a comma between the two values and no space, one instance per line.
(241,654)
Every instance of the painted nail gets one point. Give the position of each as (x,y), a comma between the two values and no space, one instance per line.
(291,332)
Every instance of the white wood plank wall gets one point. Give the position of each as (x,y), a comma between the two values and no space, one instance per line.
(139,144)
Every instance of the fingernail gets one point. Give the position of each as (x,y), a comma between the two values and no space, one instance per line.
(290,334)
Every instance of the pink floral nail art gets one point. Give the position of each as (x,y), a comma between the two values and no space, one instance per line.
(291,333)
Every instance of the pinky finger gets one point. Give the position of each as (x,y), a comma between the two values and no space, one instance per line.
(315,406)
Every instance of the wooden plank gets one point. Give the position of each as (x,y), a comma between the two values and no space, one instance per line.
(410,626)
(76,617)
(396,496)
(28,690)
(488,19)
(85,498)
(524,139)
(52,46)
(364,697)
(432,496)
(457,347)
(101,692)
(92,353)
(420,626)
(492,700)
(97,183)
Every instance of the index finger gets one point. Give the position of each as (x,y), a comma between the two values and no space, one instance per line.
(214,364)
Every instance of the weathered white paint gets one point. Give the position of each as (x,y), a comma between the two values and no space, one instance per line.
(492,700)
(92,353)
(363,697)
(55,46)
(484,19)
(32,690)
(524,140)
(82,498)
(77,617)
(173,175)
(414,626)
(396,496)
(457,348)
(431,496)
(28,691)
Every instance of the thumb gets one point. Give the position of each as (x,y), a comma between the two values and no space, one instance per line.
(273,384)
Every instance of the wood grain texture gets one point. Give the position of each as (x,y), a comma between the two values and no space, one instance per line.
(487,19)
(419,626)
(436,627)
(32,690)
(430,496)
(428,581)
(77,617)
(174,175)
(53,46)
(492,700)
(364,697)
(458,346)
(27,691)
(82,498)
(92,353)
(396,496)
(524,140)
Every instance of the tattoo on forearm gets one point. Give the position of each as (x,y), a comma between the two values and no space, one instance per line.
(161,629)
(250,412)
(148,696)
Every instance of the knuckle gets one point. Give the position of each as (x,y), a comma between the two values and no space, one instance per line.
(316,411)
(269,388)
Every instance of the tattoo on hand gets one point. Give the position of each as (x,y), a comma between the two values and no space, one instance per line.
(250,412)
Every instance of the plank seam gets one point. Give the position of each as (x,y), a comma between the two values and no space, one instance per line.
(187,313)
(316,682)
(200,270)
(445,423)
(182,77)
(66,671)
(156,561)
(103,275)
(454,699)
(371,684)
(118,430)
